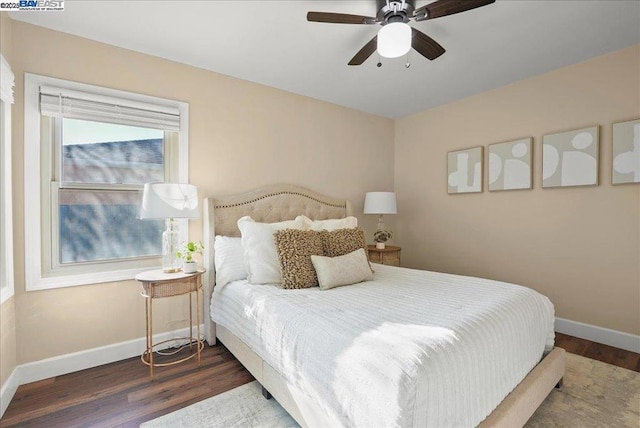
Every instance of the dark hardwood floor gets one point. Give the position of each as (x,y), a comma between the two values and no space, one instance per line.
(121,394)
(597,351)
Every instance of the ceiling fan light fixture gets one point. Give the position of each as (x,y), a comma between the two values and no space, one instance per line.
(394,40)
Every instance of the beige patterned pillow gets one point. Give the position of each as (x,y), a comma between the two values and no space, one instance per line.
(342,270)
(294,248)
(343,241)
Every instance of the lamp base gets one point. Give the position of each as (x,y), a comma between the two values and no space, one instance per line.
(170,241)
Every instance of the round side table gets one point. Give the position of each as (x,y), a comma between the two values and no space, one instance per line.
(158,284)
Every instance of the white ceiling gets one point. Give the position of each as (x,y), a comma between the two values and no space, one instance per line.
(270,42)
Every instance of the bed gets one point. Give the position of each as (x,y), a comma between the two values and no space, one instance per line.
(474,352)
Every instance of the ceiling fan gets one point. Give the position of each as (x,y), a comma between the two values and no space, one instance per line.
(395,38)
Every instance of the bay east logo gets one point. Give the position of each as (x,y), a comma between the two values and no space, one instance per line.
(41,4)
(32,5)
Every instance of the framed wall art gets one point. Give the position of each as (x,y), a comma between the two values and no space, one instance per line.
(626,152)
(464,171)
(510,165)
(570,158)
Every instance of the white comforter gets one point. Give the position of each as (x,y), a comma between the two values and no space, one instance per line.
(411,348)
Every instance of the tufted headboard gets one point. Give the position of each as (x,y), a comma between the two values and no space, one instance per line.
(267,204)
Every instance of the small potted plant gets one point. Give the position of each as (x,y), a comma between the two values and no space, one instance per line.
(186,252)
(380,237)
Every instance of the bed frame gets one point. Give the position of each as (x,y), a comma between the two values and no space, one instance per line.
(285,202)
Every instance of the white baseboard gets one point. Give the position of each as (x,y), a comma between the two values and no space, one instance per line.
(68,363)
(7,391)
(606,336)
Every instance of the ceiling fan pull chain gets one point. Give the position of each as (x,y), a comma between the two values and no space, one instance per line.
(408,64)
(379,64)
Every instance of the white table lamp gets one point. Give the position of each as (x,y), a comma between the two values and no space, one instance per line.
(169,201)
(380,203)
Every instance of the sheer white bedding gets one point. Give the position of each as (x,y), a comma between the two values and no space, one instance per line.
(410,348)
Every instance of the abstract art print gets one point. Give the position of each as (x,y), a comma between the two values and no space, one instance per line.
(464,171)
(626,152)
(510,165)
(570,158)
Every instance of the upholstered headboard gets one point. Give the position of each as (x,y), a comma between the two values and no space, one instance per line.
(266,205)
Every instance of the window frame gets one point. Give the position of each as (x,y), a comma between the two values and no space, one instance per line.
(7,282)
(41,273)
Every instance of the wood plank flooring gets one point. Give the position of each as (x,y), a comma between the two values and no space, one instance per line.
(121,394)
(598,351)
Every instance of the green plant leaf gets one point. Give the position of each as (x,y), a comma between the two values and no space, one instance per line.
(188,249)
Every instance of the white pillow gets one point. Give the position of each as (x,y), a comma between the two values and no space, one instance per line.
(261,257)
(342,270)
(331,224)
(228,260)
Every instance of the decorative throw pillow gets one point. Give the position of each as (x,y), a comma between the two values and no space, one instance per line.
(343,241)
(295,248)
(260,254)
(348,269)
(228,260)
(331,224)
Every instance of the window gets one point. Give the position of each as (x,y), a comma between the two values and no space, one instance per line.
(95,148)
(6,223)
(96,190)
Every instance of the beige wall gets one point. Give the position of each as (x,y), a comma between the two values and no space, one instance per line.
(7,309)
(579,246)
(242,135)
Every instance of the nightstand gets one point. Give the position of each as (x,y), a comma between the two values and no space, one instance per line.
(390,255)
(157,284)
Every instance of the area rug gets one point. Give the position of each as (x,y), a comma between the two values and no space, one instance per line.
(594,394)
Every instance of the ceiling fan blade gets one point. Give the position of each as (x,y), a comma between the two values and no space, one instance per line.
(425,45)
(441,8)
(365,52)
(339,18)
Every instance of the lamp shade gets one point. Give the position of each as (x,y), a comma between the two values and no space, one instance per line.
(169,200)
(394,40)
(380,203)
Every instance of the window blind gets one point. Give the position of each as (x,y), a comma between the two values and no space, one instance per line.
(72,104)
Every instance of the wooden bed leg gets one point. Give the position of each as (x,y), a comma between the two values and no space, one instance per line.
(265,393)
(560,383)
